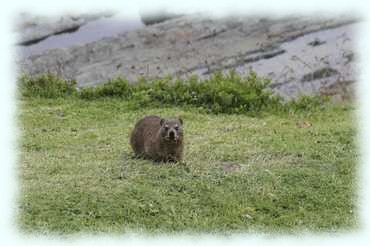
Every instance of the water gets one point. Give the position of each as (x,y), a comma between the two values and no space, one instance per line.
(92,31)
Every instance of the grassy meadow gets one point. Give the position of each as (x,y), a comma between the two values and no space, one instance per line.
(270,171)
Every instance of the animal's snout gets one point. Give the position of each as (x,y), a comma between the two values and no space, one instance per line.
(172,134)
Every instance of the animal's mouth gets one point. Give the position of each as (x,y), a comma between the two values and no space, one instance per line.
(172,137)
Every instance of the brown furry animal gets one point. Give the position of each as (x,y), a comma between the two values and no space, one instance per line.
(158,139)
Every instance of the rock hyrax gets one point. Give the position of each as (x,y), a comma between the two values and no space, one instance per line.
(158,139)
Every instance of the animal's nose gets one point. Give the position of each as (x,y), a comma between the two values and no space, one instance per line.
(172,134)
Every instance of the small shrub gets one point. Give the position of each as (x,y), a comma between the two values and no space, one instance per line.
(48,86)
(304,103)
(88,93)
(222,93)
(118,87)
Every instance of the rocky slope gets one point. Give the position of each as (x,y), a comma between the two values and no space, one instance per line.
(301,54)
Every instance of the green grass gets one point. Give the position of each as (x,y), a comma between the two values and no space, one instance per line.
(221,93)
(275,172)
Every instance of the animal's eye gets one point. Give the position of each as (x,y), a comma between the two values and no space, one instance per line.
(166,127)
(176,128)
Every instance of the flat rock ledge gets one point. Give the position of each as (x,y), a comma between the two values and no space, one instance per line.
(301,54)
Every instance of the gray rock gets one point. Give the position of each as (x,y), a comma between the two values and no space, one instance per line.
(157,16)
(33,29)
(278,48)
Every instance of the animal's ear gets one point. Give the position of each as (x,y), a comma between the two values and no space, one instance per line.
(180,119)
(162,121)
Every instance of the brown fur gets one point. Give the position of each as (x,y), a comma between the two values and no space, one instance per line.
(158,139)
